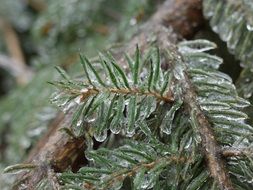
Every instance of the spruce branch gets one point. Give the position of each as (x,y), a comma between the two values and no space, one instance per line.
(199,93)
(207,126)
(204,111)
(135,93)
(142,161)
(42,152)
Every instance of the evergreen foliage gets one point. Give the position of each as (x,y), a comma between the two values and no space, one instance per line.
(233,21)
(217,95)
(140,118)
(124,101)
(175,146)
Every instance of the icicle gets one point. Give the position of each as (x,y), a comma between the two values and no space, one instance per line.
(67,107)
(178,72)
(195,46)
(166,124)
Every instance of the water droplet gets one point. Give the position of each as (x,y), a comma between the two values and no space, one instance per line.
(130,131)
(91,120)
(124,163)
(79,123)
(188,143)
(69,106)
(115,128)
(247,80)
(250,181)
(166,124)
(88,155)
(23,186)
(208,9)
(89,142)
(250,27)
(100,136)
(247,94)
(78,99)
(133,21)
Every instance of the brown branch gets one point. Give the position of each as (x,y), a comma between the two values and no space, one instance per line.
(237,152)
(165,40)
(57,150)
(87,92)
(210,147)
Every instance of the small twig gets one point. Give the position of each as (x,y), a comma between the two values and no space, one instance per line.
(123,173)
(87,92)
(237,152)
